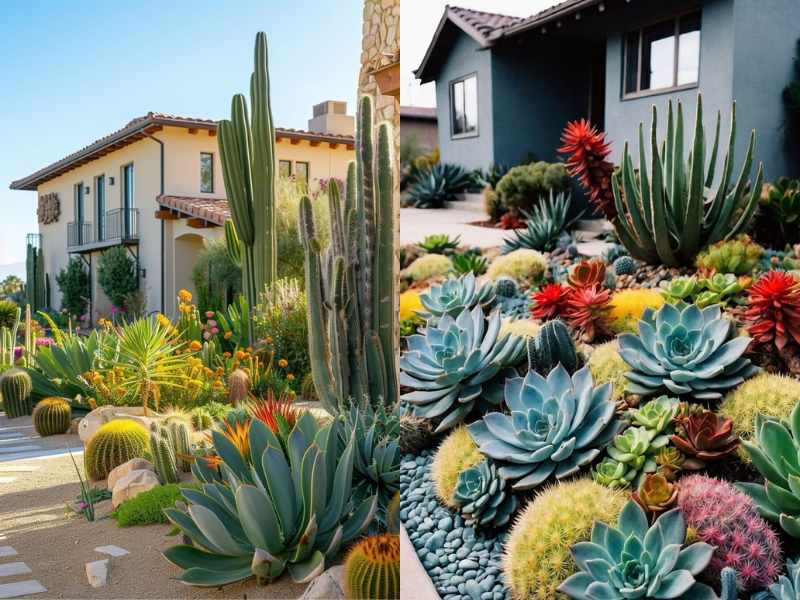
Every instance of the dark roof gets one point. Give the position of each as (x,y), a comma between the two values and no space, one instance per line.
(487,28)
(418,112)
(143,126)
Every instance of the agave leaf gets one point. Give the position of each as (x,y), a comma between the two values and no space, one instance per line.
(259,520)
(187,557)
(229,454)
(217,531)
(278,475)
(208,578)
(309,569)
(185,523)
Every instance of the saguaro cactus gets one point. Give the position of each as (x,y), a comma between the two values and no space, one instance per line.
(351,289)
(247,149)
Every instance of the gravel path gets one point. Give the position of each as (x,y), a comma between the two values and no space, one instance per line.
(464,563)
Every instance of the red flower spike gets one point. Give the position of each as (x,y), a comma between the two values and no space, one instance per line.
(268,408)
(511,221)
(587,151)
(773,311)
(550,301)
(588,311)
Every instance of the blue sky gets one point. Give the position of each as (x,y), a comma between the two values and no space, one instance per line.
(71,72)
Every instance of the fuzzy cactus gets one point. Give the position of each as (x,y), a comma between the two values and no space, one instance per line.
(726,518)
(537,554)
(163,453)
(521,265)
(607,366)
(15,387)
(52,416)
(628,306)
(455,454)
(416,434)
(238,387)
(766,394)
(624,265)
(372,568)
(428,266)
(115,443)
(505,287)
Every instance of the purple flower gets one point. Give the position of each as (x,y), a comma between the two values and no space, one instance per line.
(44,342)
(18,352)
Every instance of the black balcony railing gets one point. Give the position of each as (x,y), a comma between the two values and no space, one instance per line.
(117,225)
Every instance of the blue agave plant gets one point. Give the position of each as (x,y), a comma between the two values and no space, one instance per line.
(686,350)
(634,561)
(453,296)
(452,364)
(557,425)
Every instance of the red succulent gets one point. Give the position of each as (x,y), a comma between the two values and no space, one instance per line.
(704,437)
(271,410)
(587,151)
(587,311)
(587,273)
(773,309)
(511,221)
(550,301)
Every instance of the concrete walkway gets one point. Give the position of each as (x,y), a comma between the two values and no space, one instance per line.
(415,584)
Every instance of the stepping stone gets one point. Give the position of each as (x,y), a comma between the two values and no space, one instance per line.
(112,550)
(25,448)
(15,568)
(21,588)
(7,551)
(97,572)
(7,479)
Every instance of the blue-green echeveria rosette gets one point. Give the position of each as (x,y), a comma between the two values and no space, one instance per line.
(453,364)
(557,425)
(685,350)
(481,496)
(453,296)
(636,561)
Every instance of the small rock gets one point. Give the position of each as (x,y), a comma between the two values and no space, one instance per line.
(328,586)
(134,464)
(133,484)
(97,572)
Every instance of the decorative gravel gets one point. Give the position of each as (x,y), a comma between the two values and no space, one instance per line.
(461,561)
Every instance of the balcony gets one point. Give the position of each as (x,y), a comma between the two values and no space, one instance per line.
(118,226)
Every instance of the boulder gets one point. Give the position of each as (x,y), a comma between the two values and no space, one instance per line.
(328,586)
(133,484)
(134,464)
(97,572)
(103,414)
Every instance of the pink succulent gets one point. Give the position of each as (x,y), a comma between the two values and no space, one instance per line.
(206,335)
(209,314)
(215,330)
(728,519)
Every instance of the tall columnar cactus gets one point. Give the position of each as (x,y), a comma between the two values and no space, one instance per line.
(351,289)
(181,444)
(232,243)
(8,342)
(247,149)
(35,288)
(15,387)
(161,449)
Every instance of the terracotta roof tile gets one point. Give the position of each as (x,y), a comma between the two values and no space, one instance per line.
(213,210)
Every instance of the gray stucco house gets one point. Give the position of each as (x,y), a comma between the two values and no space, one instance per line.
(506,86)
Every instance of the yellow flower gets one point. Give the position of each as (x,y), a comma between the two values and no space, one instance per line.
(228,335)
(410,304)
(185,295)
(290,377)
(195,346)
(269,339)
(283,363)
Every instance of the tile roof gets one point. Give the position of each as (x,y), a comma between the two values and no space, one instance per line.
(484,24)
(138,128)
(417,112)
(211,209)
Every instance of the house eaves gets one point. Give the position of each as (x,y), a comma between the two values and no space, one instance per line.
(554,14)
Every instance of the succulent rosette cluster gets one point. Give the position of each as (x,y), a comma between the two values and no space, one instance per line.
(481,495)
(453,296)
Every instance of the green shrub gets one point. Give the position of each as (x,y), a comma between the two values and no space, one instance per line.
(148,507)
(216,277)
(281,316)
(117,276)
(8,313)
(523,186)
(73,283)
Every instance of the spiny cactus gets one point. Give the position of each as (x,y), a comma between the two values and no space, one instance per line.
(115,443)
(351,293)
(15,387)
(372,568)
(180,435)
(624,265)
(766,394)
(232,243)
(238,387)
(506,287)
(247,151)
(552,345)
(537,554)
(455,454)
(52,416)
(728,519)
(607,366)
(163,453)
(416,434)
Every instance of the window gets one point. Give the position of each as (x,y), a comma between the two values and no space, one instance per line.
(127,200)
(79,214)
(663,56)
(206,172)
(301,171)
(100,205)
(464,106)
(285,168)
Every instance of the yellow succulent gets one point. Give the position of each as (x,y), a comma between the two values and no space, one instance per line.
(627,307)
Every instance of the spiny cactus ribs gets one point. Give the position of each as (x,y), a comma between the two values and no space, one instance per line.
(587,150)
(372,569)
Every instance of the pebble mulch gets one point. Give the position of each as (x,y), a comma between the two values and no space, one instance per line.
(463,563)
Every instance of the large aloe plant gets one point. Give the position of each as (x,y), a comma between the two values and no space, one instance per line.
(667,212)
(280,510)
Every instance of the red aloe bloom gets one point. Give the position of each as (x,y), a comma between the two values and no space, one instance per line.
(587,273)
(588,311)
(269,408)
(587,151)
(550,301)
(511,221)
(704,437)
(773,312)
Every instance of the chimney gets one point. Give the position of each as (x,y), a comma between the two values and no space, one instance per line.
(331,117)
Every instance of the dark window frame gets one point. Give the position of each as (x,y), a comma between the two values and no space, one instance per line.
(79,208)
(100,205)
(288,162)
(211,157)
(451,107)
(639,93)
(308,170)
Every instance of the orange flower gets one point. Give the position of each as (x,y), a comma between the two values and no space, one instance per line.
(228,335)
(290,377)
(195,346)
(185,295)
(283,363)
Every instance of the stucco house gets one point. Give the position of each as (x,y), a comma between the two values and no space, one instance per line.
(506,86)
(155,186)
(418,124)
